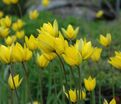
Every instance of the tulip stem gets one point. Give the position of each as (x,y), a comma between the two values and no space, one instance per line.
(100,94)
(14,85)
(28,94)
(92,100)
(20,10)
(64,71)
(80,82)
(41,86)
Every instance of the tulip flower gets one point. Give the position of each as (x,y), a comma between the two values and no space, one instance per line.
(14,82)
(33,14)
(99,14)
(20,34)
(50,29)
(5,54)
(46,42)
(60,45)
(70,33)
(116,60)
(42,61)
(72,56)
(14,1)
(7,2)
(73,95)
(4,32)
(20,53)
(1,14)
(31,42)
(96,54)
(90,83)
(6,22)
(45,3)
(113,101)
(18,25)
(10,40)
(49,56)
(85,48)
(105,41)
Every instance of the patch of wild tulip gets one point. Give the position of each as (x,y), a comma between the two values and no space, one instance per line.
(53,46)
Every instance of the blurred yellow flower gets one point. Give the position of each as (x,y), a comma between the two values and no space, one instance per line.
(18,25)
(105,41)
(20,53)
(96,54)
(33,14)
(5,54)
(42,61)
(116,60)
(73,96)
(1,14)
(46,42)
(113,101)
(20,34)
(14,82)
(99,14)
(70,33)
(50,29)
(4,32)
(14,1)
(72,56)
(6,22)
(90,83)
(31,42)
(45,3)
(10,40)
(85,48)
(7,2)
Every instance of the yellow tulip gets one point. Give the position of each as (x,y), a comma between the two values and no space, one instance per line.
(90,83)
(10,40)
(113,101)
(72,56)
(31,42)
(14,1)
(105,41)
(49,56)
(42,61)
(73,95)
(85,48)
(6,22)
(116,60)
(46,42)
(70,33)
(20,53)
(45,3)
(5,54)
(96,54)
(20,34)
(14,82)
(33,14)
(34,102)
(99,14)
(17,25)
(50,29)
(60,45)
(1,14)
(7,2)
(4,32)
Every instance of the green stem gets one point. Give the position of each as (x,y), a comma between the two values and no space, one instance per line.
(28,94)
(20,10)
(64,71)
(100,94)
(41,86)
(93,97)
